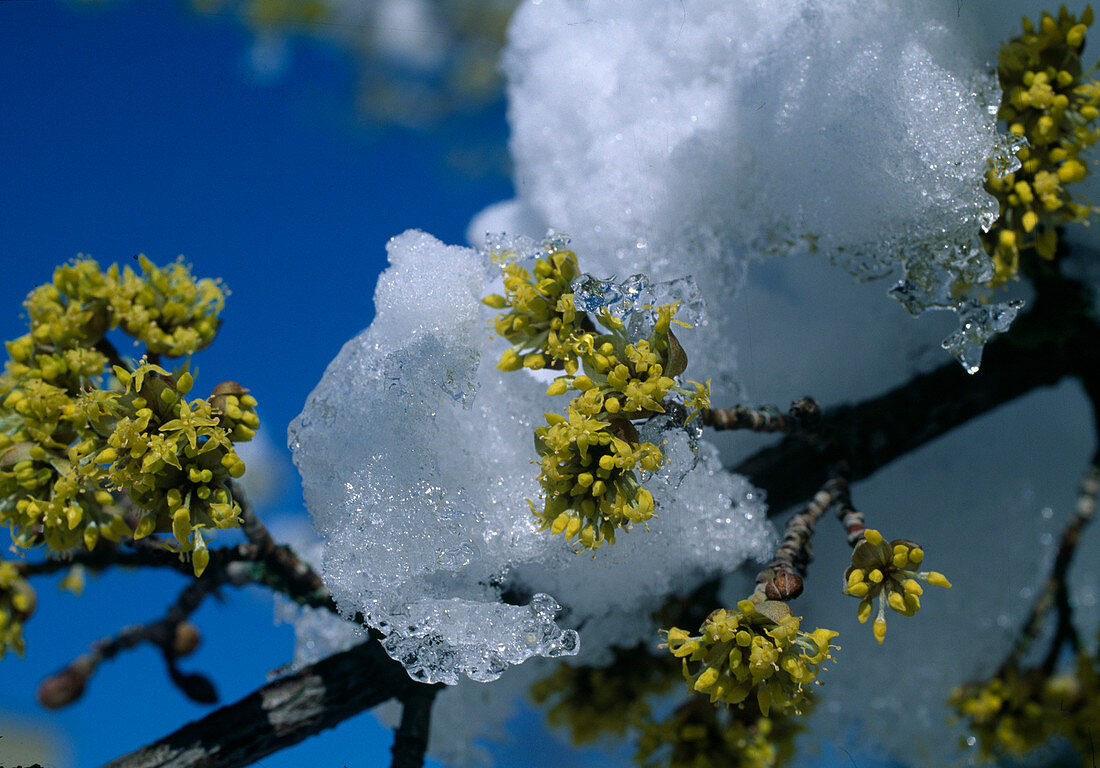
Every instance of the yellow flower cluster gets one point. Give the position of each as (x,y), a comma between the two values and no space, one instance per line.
(698,735)
(541,322)
(76,431)
(172,457)
(887,571)
(590,457)
(167,310)
(756,650)
(1018,710)
(605,702)
(588,477)
(1049,101)
(628,696)
(17,603)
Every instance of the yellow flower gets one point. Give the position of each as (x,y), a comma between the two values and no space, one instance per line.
(754,651)
(540,323)
(887,571)
(1018,709)
(17,603)
(590,456)
(588,477)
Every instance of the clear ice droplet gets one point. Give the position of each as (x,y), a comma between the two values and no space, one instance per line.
(977,324)
(591,294)
(1004,160)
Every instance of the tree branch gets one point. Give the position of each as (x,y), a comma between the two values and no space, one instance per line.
(286,711)
(1051,342)
(410,740)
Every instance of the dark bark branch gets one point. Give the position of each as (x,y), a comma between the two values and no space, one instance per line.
(410,740)
(104,556)
(1043,347)
(283,713)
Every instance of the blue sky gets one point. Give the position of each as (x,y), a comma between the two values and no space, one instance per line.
(138,128)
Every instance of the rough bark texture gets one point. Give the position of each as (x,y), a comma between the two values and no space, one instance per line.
(283,713)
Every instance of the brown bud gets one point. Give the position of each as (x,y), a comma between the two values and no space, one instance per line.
(219,397)
(783,586)
(65,687)
(186,638)
(229,388)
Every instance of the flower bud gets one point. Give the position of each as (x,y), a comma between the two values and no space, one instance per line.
(65,687)
(784,586)
(185,639)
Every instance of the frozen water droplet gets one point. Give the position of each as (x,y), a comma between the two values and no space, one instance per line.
(591,294)
(977,324)
(986,219)
(633,288)
(1004,160)
(679,442)
(506,249)
(904,293)
(692,308)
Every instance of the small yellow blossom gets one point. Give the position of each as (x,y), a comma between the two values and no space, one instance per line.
(17,603)
(887,571)
(1019,710)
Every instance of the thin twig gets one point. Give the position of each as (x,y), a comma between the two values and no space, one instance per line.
(850,517)
(276,566)
(782,579)
(67,685)
(1055,593)
(803,416)
(105,556)
(254,530)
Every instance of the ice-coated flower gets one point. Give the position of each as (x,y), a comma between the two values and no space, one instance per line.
(756,650)
(589,457)
(887,571)
(540,323)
